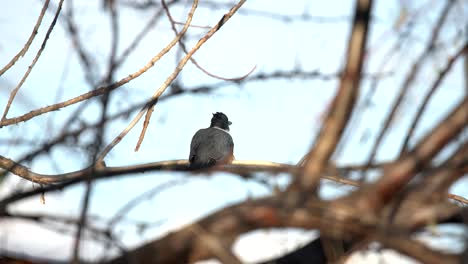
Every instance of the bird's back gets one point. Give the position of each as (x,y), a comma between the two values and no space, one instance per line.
(211,146)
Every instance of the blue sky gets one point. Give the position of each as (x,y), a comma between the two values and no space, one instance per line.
(274,120)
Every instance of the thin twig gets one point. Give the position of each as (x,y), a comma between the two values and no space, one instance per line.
(146,123)
(99,133)
(428,96)
(36,58)
(30,40)
(139,37)
(85,59)
(97,92)
(174,74)
(118,216)
(199,89)
(45,219)
(154,98)
(184,49)
(402,171)
(409,80)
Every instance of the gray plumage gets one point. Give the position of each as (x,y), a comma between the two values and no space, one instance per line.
(213,145)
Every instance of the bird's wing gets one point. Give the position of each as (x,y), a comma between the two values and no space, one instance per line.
(196,140)
(224,146)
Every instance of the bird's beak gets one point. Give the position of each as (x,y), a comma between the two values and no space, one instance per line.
(229,122)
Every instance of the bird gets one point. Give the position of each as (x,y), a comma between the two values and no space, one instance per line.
(213,145)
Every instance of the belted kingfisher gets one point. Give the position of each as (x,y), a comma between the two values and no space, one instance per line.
(213,145)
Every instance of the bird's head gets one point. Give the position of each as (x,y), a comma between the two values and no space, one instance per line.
(220,120)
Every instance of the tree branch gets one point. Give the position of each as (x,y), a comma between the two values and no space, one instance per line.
(344,101)
(149,109)
(409,79)
(30,40)
(36,58)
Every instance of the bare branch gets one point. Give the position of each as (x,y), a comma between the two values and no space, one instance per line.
(410,78)
(119,215)
(171,77)
(402,171)
(428,96)
(343,103)
(28,43)
(184,48)
(98,91)
(36,58)
(215,245)
(60,181)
